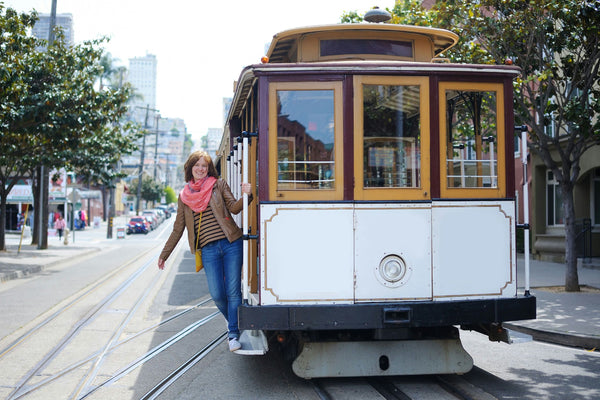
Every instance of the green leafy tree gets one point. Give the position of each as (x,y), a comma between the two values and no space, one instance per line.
(170,195)
(17,50)
(557,45)
(151,190)
(54,115)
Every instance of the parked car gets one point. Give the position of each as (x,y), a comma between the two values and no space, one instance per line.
(166,210)
(138,225)
(161,214)
(152,217)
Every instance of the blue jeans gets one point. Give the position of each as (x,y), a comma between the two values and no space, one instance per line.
(223,266)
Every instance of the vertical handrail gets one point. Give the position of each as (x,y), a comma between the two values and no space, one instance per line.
(525,207)
(493,178)
(235,187)
(245,224)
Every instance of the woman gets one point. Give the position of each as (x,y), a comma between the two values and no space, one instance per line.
(208,199)
(60,226)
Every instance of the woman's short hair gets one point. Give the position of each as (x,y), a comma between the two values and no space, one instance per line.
(193,159)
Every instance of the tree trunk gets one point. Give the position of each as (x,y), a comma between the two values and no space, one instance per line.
(104,203)
(4,195)
(571,276)
(35,191)
(45,179)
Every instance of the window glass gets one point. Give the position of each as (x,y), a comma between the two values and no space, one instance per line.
(472,142)
(391,136)
(366,46)
(305,139)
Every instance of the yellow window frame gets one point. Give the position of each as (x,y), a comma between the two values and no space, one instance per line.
(335,194)
(479,192)
(419,193)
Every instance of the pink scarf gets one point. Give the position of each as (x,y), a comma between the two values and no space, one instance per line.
(196,194)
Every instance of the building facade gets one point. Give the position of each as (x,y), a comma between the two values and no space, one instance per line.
(142,76)
(547,217)
(41,29)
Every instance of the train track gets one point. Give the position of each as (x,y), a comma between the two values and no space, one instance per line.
(434,387)
(104,299)
(173,376)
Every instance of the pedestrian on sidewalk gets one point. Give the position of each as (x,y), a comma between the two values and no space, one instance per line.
(204,208)
(59,225)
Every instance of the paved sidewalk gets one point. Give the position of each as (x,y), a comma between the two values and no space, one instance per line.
(571,319)
(22,259)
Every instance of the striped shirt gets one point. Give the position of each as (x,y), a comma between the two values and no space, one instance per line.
(210,229)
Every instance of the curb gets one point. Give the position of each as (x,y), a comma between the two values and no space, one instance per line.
(561,338)
(26,270)
(21,273)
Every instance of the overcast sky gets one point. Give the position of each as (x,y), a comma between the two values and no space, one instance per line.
(201,45)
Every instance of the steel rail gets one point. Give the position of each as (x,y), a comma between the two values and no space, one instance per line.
(152,353)
(90,375)
(173,376)
(72,367)
(92,313)
(80,296)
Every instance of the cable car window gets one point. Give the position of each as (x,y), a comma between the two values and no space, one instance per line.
(472,139)
(391,136)
(336,47)
(305,139)
(391,140)
(306,147)
(472,151)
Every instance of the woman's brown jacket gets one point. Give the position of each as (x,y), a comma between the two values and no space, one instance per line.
(223,204)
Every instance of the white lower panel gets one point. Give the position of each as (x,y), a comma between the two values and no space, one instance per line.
(306,254)
(406,357)
(473,250)
(393,230)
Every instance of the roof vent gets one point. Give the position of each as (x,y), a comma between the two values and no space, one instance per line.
(377,15)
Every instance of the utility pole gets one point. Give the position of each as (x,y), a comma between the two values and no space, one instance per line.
(156,146)
(44,173)
(140,176)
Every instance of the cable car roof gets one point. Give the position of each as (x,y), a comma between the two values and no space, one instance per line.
(286,46)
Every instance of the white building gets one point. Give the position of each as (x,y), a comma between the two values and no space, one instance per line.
(41,29)
(214,136)
(142,76)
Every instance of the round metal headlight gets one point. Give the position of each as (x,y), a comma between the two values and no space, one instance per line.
(392,271)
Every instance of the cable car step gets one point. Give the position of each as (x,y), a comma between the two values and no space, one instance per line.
(253,343)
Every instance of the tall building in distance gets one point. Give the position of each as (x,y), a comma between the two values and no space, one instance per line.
(142,76)
(226,106)
(214,136)
(41,29)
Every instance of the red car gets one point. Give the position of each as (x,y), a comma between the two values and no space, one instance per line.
(138,225)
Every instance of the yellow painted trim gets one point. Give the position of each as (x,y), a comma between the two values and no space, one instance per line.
(498,192)
(320,194)
(420,193)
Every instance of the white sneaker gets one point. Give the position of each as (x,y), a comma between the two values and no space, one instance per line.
(234,344)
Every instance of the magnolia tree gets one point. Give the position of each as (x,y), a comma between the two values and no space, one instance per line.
(557,46)
(52,112)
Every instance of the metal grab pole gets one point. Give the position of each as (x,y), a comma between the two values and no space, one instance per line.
(235,174)
(525,208)
(245,227)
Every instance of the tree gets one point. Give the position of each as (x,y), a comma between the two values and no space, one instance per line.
(17,50)
(151,190)
(557,45)
(558,48)
(53,114)
(170,195)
